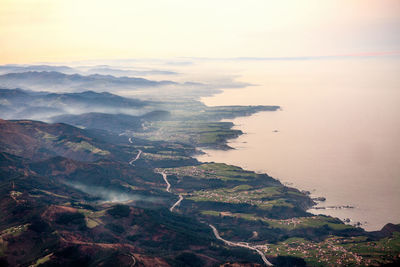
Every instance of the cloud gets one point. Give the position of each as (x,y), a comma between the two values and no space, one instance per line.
(109,195)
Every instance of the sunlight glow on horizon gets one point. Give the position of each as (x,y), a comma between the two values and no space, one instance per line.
(60,30)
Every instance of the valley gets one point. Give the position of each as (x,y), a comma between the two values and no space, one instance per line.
(114,189)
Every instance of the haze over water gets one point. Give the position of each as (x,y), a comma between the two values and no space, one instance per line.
(337,133)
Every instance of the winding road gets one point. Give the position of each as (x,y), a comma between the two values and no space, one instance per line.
(176,203)
(164,175)
(240,244)
(168,189)
(215,231)
(136,158)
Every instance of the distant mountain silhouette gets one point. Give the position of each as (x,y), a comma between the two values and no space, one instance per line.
(23,68)
(18,103)
(46,80)
(100,69)
(105,70)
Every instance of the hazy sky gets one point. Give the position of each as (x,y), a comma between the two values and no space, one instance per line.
(63,30)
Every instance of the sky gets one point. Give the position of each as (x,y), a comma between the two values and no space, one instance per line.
(67,30)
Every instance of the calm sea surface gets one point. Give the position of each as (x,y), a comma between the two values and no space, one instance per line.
(337,135)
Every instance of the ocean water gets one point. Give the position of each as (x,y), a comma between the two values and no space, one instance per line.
(336,135)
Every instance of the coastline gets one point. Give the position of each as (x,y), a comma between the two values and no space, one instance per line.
(319,199)
(343,210)
(333,139)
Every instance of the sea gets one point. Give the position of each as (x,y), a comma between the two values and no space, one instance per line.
(337,134)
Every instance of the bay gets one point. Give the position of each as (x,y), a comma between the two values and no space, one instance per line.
(336,136)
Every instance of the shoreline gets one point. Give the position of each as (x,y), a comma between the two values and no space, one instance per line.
(315,209)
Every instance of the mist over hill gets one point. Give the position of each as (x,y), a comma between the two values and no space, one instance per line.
(100,170)
(18,104)
(4,69)
(52,80)
(85,70)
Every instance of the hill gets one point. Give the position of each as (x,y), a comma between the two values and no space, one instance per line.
(61,211)
(53,80)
